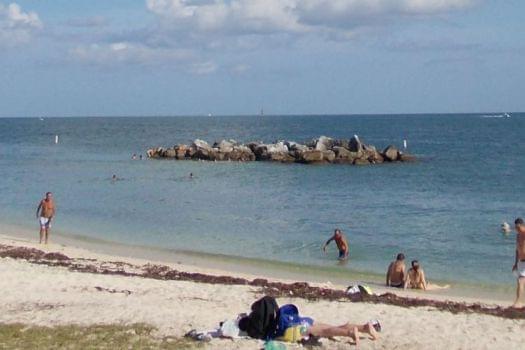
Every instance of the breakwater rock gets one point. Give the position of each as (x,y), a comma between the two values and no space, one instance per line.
(320,150)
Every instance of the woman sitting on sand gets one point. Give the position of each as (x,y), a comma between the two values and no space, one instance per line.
(416,279)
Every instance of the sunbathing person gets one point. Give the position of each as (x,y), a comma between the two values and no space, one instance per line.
(322,330)
(396,274)
(416,279)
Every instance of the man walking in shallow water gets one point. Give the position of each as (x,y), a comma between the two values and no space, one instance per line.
(45,213)
(341,242)
(519,262)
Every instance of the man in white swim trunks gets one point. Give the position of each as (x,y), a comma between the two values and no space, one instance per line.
(519,263)
(45,213)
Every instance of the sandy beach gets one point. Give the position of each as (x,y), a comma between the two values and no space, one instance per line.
(36,293)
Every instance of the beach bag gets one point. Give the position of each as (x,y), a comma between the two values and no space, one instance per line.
(359,290)
(288,320)
(263,318)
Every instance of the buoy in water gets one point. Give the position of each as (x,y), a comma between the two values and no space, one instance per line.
(56,139)
(405,143)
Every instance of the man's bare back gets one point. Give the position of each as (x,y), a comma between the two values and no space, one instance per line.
(396,274)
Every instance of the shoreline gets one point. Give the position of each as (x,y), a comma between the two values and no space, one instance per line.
(59,285)
(217,264)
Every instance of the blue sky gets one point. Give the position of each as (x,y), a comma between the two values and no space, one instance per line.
(194,57)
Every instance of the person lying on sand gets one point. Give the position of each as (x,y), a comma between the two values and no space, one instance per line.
(341,242)
(396,273)
(310,328)
(416,279)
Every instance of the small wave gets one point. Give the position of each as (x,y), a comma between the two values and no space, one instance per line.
(504,115)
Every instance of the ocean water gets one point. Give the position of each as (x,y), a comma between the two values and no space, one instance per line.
(444,210)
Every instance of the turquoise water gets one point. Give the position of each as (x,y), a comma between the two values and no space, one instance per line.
(444,210)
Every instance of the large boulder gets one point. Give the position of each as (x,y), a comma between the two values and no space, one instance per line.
(283,157)
(261,152)
(310,156)
(170,153)
(203,150)
(341,143)
(323,143)
(180,151)
(371,153)
(391,153)
(405,157)
(278,147)
(355,145)
(361,161)
(225,146)
(343,155)
(328,156)
(200,144)
(241,153)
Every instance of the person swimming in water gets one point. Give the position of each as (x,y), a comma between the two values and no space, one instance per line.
(341,242)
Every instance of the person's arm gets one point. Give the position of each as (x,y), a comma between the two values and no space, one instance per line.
(515,267)
(403,274)
(423,280)
(327,243)
(38,209)
(388,275)
(407,281)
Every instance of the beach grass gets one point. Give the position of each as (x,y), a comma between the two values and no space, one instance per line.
(72,337)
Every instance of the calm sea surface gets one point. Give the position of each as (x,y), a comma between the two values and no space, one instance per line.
(444,210)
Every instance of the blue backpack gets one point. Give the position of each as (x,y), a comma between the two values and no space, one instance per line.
(289,317)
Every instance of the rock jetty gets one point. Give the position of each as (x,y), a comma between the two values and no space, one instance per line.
(320,150)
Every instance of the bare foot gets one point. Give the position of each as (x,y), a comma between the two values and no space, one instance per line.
(517,305)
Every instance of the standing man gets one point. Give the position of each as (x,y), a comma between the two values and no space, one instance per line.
(519,262)
(396,274)
(45,213)
(341,243)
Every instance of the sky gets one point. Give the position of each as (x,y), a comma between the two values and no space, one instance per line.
(234,57)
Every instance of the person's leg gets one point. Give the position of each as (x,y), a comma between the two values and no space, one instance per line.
(42,232)
(47,233)
(519,291)
(346,330)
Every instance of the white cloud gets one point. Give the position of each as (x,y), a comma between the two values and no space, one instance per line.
(128,53)
(240,17)
(203,68)
(17,26)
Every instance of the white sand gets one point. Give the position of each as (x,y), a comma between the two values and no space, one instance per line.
(41,295)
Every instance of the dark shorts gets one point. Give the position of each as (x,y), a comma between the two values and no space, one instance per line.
(342,254)
(400,285)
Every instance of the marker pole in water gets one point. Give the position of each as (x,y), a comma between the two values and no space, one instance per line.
(405,143)
(56,139)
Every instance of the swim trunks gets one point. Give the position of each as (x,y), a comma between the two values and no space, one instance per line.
(521,269)
(44,222)
(398,285)
(342,254)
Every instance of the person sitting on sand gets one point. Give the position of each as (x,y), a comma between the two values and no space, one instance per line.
(416,277)
(396,274)
(341,242)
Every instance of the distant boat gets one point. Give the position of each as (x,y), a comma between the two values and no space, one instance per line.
(506,115)
(210,115)
(262,112)
(41,118)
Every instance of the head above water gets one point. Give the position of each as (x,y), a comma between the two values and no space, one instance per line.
(400,257)
(49,195)
(519,223)
(338,231)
